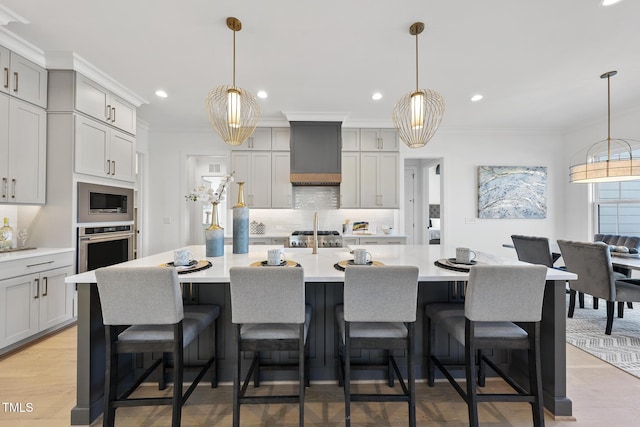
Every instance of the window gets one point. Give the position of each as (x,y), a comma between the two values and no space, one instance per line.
(618,208)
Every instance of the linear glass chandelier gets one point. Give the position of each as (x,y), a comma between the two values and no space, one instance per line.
(233,111)
(417,115)
(619,165)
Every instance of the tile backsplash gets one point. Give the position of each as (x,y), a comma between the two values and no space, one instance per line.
(288,220)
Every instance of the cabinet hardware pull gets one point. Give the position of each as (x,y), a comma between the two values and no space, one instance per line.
(113,119)
(108,167)
(6,78)
(13,193)
(15,74)
(37,295)
(40,263)
(114,167)
(4,187)
(108,113)
(45,281)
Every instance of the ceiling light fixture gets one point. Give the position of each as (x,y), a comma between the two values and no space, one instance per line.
(233,111)
(376,96)
(606,3)
(262,94)
(621,167)
(417,115)
(161,93)
(476,98)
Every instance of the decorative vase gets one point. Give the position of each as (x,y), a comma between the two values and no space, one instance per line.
(214,235)
(240,224)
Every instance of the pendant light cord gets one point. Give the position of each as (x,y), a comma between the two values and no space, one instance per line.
(417,63)
(234,58)
(608,117)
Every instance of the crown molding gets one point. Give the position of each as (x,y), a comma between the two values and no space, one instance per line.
(7,15)
(303,116)
(65,60)
(22,47)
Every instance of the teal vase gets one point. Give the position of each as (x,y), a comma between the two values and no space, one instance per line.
(214,235)
(240,224)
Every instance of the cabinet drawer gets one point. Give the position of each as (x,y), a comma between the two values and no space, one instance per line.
(36,264)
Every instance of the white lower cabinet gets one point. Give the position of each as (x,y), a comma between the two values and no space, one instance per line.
(33,303)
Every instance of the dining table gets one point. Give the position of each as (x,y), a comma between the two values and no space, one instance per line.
(324,280)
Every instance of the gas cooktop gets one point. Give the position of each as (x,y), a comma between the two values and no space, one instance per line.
(304,239)
(310,233)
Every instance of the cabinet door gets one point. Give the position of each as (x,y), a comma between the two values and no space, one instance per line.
(259,140)
(91,98)
(28,81)
(4,148)
(19,303)
(388,140)
(369,140)
(92,143)
(241,166)
(260,184)
(388,180)
(27,152)
(350,139)
(281,182)
(123,115)
(5,60)
(56,298)
(350,186)
(122,156)
(281,139)
(369,180)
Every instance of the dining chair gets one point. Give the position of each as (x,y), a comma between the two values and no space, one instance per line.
(268,313)
(493,304)
(379,312)
(592,263)
(534,250)
(142,312)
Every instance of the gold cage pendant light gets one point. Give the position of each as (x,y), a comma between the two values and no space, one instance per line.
(619,164)
(233,111)
(418,114)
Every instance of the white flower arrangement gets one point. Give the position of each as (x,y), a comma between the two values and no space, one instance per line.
(210,195)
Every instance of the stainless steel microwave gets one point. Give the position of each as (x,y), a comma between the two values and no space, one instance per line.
(103,203)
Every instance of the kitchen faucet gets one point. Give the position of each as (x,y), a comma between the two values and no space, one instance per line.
(315,233)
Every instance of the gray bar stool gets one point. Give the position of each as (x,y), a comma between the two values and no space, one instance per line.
(497,296)
(268,313)
(147,302)
(379,312)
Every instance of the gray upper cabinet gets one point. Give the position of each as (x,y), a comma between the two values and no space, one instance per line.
(99,103)
(22,78)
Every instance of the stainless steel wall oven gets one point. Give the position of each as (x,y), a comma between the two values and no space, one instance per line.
(103,246)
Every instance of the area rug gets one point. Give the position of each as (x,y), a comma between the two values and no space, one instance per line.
(621,349)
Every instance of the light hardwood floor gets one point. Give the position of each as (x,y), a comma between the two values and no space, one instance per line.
(43,375)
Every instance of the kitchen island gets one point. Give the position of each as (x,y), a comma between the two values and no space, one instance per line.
(323,291)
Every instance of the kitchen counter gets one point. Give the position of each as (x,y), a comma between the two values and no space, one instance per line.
(324,289)
(30,253)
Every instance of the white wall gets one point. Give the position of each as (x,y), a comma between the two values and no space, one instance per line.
(462,153)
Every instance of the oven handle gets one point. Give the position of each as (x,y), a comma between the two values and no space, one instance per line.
(106,236)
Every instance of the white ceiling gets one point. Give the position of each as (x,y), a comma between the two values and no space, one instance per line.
(537,62)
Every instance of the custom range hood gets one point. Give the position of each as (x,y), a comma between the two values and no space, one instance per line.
(316,153)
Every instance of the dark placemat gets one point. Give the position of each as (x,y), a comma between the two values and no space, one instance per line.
(199,265)
(265,263)
(445,263)
(340,265)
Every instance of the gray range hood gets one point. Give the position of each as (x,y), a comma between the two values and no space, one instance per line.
(316,153)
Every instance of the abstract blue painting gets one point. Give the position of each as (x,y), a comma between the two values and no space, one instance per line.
(512,192)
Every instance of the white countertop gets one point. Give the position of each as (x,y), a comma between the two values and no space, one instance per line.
(30,253)
(319,268)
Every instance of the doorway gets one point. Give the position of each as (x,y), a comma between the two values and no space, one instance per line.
(422,202)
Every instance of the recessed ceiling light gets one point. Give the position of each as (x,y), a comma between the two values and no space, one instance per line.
(161,93)
(376,96)
(262,94)
(476,98)
(606,3)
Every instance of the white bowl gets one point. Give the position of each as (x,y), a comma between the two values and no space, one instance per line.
(387,230)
